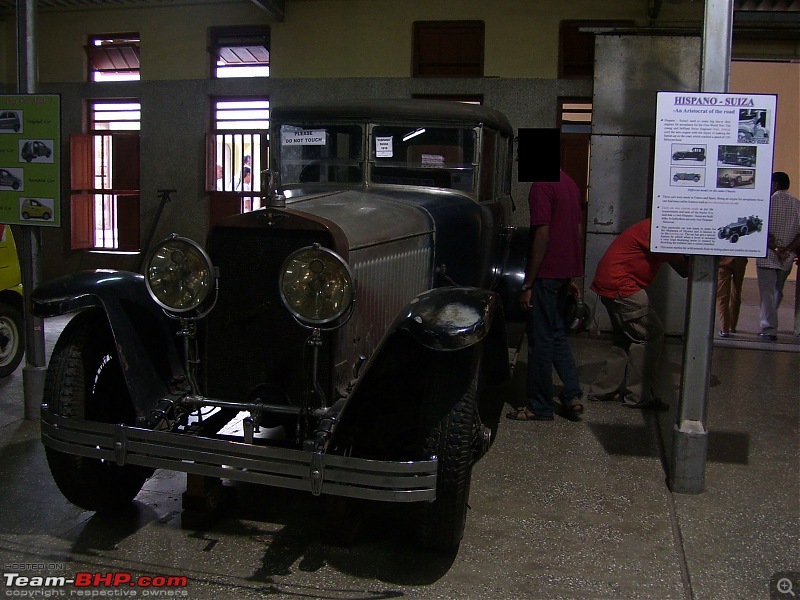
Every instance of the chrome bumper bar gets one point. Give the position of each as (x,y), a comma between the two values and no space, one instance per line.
(317,473)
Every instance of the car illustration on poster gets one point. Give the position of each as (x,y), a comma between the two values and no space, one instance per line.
(681,152)
(737,156)
(10,121)
(742,226)
(753,126)
(36,150)
(36,208)
(11,179)
(728,178)
(681,177)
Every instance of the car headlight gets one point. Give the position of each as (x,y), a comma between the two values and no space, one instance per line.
(316,286)
(179,274)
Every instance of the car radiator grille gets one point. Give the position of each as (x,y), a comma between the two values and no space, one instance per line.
(252,342)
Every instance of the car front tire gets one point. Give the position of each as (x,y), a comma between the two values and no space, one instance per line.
(12,347)
(85,381)
(449,408)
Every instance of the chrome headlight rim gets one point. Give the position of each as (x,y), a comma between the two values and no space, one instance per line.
(336,318)
(201,256)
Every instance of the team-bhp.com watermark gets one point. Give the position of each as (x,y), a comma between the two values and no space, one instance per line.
(25,580)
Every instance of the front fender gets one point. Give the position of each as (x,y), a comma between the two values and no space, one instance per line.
(142,332)
(450,318)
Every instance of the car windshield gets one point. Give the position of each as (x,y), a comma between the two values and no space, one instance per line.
(424,156)
(321,154)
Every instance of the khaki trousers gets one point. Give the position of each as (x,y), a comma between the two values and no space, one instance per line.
(632,363)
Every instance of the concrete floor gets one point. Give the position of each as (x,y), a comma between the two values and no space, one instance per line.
(558,509)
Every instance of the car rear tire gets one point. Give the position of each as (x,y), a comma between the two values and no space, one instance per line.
(12,347)
(450,421)
(85,381)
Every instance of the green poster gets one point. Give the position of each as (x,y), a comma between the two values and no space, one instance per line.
(30,159)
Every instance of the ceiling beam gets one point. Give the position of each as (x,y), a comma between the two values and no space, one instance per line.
(276,8)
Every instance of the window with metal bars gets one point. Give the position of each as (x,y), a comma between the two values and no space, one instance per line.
(104,180)
(237,154)
(239,51)
(113,57)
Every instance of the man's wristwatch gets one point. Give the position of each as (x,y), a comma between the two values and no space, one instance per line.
(526,288)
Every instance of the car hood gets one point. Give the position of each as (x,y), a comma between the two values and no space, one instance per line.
(363,218)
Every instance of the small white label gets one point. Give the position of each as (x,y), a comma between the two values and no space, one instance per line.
(383,147)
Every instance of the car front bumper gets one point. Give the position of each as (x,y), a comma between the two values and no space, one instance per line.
(315,472)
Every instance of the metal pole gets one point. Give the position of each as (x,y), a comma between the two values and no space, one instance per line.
(690,437)
(34,370)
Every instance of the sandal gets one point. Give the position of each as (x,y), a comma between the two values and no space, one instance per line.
(523,414)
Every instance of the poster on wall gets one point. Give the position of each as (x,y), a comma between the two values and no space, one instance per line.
(30,164)
(712,173)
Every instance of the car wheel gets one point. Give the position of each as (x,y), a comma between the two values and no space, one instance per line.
(46,216)
(759,227)
(450,420)
(11,339)
(675,178)
(744,231)
(696,177)
(26,215)
(84,381)
(721,233)
(745,136)
(734,238)
(15,185)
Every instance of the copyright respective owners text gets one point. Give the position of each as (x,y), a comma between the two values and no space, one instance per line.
(52,580)
(785,585)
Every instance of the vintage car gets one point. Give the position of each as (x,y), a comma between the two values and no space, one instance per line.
(335,341)
(34,149)
(9,119)
(743,226)
(12,345)
(686,177)
(693,154)
(35,209)
(8,179)
(737,178)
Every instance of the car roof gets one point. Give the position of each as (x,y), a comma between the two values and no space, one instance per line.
(430,111)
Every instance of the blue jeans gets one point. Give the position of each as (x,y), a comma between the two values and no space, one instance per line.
(549,348)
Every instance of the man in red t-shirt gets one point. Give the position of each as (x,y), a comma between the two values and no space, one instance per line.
(627,267)
(555,257)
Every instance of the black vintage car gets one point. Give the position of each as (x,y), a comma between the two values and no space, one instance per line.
(698,153)
(335,341)
(742,226)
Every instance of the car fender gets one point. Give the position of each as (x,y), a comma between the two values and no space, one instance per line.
(142,332)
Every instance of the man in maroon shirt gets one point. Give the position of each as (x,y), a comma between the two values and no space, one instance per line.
(627,267)
(555,257)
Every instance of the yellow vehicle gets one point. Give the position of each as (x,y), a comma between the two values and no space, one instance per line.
(12,346)
(33,209)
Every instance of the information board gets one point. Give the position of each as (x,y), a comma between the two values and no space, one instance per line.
(712,174)
(30,159)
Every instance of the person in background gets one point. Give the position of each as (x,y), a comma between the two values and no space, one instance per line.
(773,269)
(623,273)
(555,257)
(245,185)
(729,292)
(220,179)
